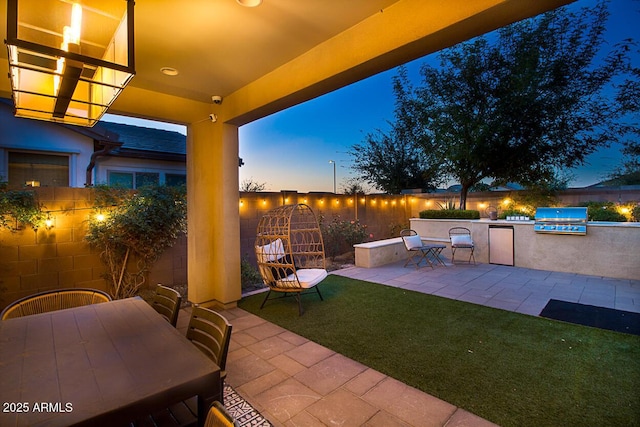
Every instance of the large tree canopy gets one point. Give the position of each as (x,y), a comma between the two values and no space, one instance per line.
(395,160)
(518,105)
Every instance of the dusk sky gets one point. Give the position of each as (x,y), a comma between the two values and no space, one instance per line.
(290,150)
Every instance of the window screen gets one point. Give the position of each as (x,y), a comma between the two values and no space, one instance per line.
(121,179)
(133,179)
(46,170)
(175,180)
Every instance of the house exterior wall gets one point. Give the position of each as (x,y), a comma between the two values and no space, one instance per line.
(106,164)
(19,134)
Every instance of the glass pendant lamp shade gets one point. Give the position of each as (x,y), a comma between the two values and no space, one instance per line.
(68,61)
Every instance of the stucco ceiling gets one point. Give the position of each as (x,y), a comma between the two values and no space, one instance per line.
(220,46)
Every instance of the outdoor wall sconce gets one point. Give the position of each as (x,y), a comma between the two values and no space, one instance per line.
(48,222)
(68,61)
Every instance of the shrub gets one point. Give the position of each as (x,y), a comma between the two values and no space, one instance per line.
(339,236)
(449,214)
(139,224)
(606,215)
(635,213)
(603,211)
(19,208)
(249,275)
(447,204)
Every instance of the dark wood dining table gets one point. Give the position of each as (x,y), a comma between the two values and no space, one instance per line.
(102,364)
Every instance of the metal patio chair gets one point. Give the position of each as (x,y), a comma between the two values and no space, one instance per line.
(418,251)
(461,239)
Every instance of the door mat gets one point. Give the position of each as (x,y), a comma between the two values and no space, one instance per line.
(589,315)
(241,410)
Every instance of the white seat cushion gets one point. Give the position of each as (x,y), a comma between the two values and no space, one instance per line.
(308,277)
(463,241)
(412,242)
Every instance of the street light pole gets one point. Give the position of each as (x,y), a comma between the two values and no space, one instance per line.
(334,175)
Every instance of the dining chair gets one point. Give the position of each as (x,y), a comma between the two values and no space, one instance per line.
(461,239)
(218,416)
(211,333)
(167,303)
(57,299)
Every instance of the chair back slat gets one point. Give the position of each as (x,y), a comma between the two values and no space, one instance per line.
(211,333)
(167,303)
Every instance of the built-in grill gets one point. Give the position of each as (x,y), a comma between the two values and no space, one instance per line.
(561,221)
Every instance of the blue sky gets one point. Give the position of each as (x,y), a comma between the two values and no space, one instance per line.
(290,150)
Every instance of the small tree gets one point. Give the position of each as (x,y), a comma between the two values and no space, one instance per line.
(139,225)
(251,186)
(353,187)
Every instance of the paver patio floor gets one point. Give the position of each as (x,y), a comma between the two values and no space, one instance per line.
(295,382)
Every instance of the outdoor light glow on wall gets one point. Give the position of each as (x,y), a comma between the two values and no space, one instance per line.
(68,61)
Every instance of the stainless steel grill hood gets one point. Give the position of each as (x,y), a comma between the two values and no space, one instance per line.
(561,221)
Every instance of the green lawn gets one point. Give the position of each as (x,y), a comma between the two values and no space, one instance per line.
(512,369)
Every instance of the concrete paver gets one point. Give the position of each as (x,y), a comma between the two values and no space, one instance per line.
(295,382)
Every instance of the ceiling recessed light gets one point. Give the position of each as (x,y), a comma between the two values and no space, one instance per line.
(250,3)
(168,71)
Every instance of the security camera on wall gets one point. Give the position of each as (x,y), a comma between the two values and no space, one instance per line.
(217,99)
(213,118)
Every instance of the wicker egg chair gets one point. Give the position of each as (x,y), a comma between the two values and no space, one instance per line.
(290,252)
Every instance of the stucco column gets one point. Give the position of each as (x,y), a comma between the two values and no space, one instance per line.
(213,217)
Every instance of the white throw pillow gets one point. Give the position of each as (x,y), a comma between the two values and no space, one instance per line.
(464,240)
(413,242)
(270,252)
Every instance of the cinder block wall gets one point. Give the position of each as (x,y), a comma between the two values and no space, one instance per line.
(48,259)
(384,215)
(33,261)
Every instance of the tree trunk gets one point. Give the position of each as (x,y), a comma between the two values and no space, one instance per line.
(463,196)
